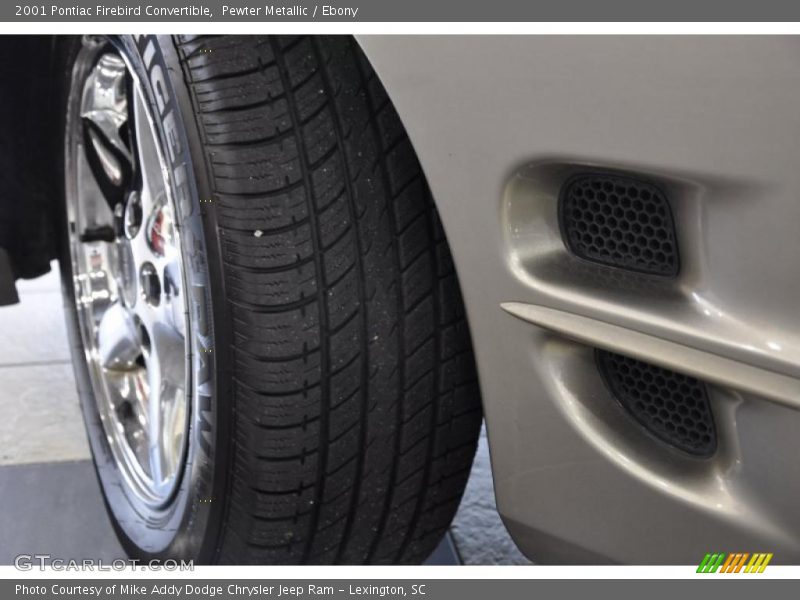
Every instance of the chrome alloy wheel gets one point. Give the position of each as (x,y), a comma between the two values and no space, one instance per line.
(128,272)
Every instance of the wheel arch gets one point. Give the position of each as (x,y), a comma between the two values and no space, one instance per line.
(28,159)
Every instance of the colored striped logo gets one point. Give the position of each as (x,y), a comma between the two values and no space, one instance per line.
(734,563)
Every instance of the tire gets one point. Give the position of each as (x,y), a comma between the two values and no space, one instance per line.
(335,410)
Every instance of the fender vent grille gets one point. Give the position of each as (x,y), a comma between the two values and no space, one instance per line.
(671,406)
(620,222)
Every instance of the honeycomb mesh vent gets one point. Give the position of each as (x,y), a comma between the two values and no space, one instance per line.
(671,406)
(620,222)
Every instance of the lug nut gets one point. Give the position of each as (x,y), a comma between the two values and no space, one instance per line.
(132,219)
(150,284)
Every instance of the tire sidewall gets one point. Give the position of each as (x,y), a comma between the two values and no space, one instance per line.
(187,528)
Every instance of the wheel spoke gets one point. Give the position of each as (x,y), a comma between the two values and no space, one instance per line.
(104,117)
(166,404)
(106,148)
(173,290)
(151,188)
(129,395)
(117,339)
(154,427)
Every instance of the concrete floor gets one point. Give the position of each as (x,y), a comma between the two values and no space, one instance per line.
(51,500)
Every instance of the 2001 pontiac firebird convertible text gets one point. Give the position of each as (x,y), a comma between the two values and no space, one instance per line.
(284,257)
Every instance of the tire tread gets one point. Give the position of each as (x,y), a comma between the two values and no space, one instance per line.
(355,403)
